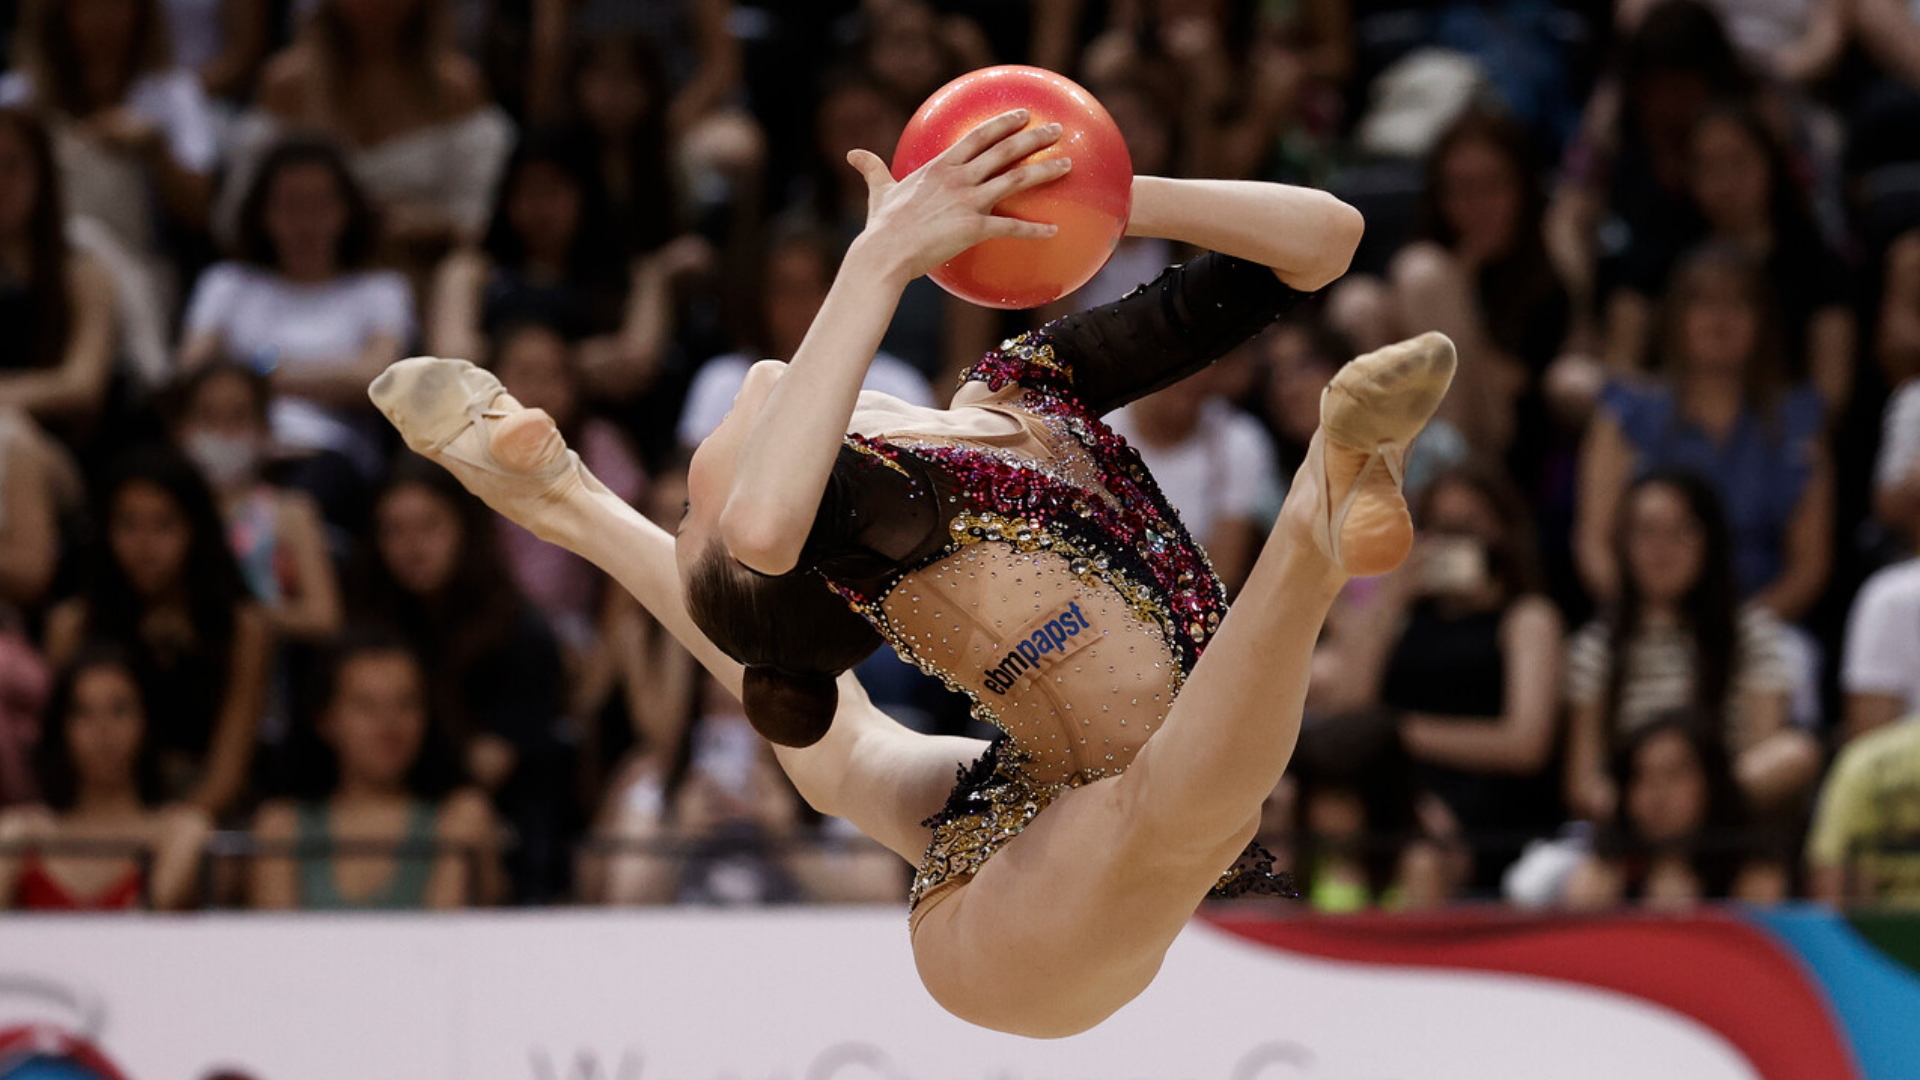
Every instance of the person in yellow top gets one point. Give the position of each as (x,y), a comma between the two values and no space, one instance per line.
(1865,841)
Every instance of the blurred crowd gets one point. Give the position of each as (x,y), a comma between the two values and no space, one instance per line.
(1656,644)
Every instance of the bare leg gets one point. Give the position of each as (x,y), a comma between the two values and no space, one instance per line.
(1072,918)
(876,773)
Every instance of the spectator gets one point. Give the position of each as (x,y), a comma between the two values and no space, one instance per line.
(1865,843)
(129,124)
(617,98)
(1681,833)
(1482,276)
(1744,194)
(798,268)
(1627,172)
(433,573)
(109,842)
(223,42)
(1355,837)
(382,77)
(276,534)
(383,824)
(1880,669)
(1880,129)
(1799,41)
(1722,410)
(718,823)
(540,368)
(29,534)
(1676,636)
(56,303)
(1214,463)
(301,304)
(548,255)
(1475,673)
(164,587)
(23,693)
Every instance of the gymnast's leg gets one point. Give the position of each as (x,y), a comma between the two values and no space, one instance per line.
(1070,920)
(869,769)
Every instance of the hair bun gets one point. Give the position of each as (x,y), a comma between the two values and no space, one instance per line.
(790,708)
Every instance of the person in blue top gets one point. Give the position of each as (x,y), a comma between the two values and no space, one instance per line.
(1721,408)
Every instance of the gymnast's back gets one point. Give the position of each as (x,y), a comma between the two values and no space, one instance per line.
(1042,573)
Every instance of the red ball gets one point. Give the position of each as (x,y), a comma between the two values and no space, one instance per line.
(1089,204)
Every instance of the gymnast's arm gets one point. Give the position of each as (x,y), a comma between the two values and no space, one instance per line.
(1270,244)
(883,777)
(913,225)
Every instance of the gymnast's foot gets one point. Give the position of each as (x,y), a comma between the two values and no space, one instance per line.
(1347,495)
(459,416)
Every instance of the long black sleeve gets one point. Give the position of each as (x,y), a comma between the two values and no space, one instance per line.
(1161,332)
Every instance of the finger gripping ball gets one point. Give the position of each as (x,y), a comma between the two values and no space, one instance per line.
(1090,204)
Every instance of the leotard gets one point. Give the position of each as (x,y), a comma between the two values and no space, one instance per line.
(1043,574)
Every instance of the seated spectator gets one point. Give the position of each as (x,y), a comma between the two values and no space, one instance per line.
(1722,410)
(29,531)
(1864,846)
(549,254)
(1798,42)
(1744,193)
(1348,819)
(1474,675)
(276,534)
(1626,174)
(1481,275)
(1880,669)
(386,81)
(1214,463)
(301,304)
(432,573)
(1676,636)
(794,279)
(130,124)
(717,822)
(109,842)
(541,369)
(163,586)
(1881,151)
(617,97)
(383,824)
(1681,832)
(56,303)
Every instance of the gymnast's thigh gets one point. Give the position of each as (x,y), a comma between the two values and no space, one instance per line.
(1066,923)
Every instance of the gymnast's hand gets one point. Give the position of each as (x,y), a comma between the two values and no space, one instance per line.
(946,206)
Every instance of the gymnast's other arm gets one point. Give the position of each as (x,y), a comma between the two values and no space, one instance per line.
(1307,237)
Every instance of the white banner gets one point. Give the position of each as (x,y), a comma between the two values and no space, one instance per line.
(807,994)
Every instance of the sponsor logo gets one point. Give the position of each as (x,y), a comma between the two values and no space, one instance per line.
(1042,647)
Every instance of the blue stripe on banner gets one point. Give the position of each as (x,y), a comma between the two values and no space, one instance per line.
(1878,999)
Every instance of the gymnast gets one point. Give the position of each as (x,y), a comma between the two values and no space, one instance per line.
(1016,548)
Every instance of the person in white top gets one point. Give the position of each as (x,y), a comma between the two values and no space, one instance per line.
(412,112)
(127,123)
(797,271)
(300,304)
(1880,669)
(1214,463)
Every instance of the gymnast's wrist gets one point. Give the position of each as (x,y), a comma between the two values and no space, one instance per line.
(875,256)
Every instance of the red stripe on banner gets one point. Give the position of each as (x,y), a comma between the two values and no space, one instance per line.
(1724,973)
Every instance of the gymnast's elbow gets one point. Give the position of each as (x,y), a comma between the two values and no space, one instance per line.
(1341,227)
(762,538)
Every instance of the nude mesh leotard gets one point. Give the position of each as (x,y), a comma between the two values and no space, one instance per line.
(1043,574)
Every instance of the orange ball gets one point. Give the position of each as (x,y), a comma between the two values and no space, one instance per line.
(1089,204)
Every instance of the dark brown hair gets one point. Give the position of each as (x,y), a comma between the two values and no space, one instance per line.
(1515,561)
(1763,379)
(47,241)
(423,40)
(353,250)
(48,52)
(792,632)
(53,758)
